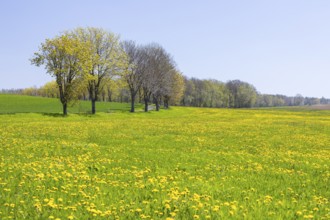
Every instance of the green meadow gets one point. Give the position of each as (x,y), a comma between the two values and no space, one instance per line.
(31,104)
(181,163)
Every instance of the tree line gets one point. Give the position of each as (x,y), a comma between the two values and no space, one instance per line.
(89,59)
(94,64)
(196,92)
(237,94)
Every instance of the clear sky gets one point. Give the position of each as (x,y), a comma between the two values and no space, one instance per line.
(279,46)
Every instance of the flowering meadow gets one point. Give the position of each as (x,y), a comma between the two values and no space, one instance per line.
(182,163)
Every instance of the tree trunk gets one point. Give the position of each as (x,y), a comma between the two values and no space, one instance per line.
(157,104)
(65,111)
(93,106)
(109,96)
(140,96)
(132,102)
(145,104)
(166,103)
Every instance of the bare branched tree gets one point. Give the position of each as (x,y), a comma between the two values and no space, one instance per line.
(135,68)
(156,78)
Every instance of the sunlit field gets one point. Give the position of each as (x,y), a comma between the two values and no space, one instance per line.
(27,104)
(182,163)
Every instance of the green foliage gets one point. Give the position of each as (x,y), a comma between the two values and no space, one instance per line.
(205,93)
(241,94)
(68,60)
(183,163)
(106,57)
(176,87)
(50,90)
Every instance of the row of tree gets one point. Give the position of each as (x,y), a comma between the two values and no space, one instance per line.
(237,94)
(93,64)
(93,59)
(213,93)
(198,93)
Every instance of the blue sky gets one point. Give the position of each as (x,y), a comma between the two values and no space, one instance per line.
(279,46)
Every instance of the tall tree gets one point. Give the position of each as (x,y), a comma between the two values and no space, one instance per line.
(107,58)
(135,68)
(174,89)
(67,59)
(156,75)
(205,93)
(188,95)
(241,94)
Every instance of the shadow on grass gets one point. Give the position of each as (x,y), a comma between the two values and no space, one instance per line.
(89,113)
(55,115)
(60,115)
(85,114)
(8,113)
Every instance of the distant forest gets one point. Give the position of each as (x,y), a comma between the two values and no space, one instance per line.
(197,93)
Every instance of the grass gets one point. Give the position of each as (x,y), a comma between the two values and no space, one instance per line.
(182,163)
(27,104)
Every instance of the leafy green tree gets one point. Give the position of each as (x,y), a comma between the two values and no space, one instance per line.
(205,93)
(68,60)
(247,96)
(50,89)
(107,58)
(31,91)
(174,90)
(241,94)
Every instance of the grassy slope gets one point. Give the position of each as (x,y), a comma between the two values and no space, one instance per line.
(184,162)
(27,104)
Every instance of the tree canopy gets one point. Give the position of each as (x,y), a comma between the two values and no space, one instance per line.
(68,60)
